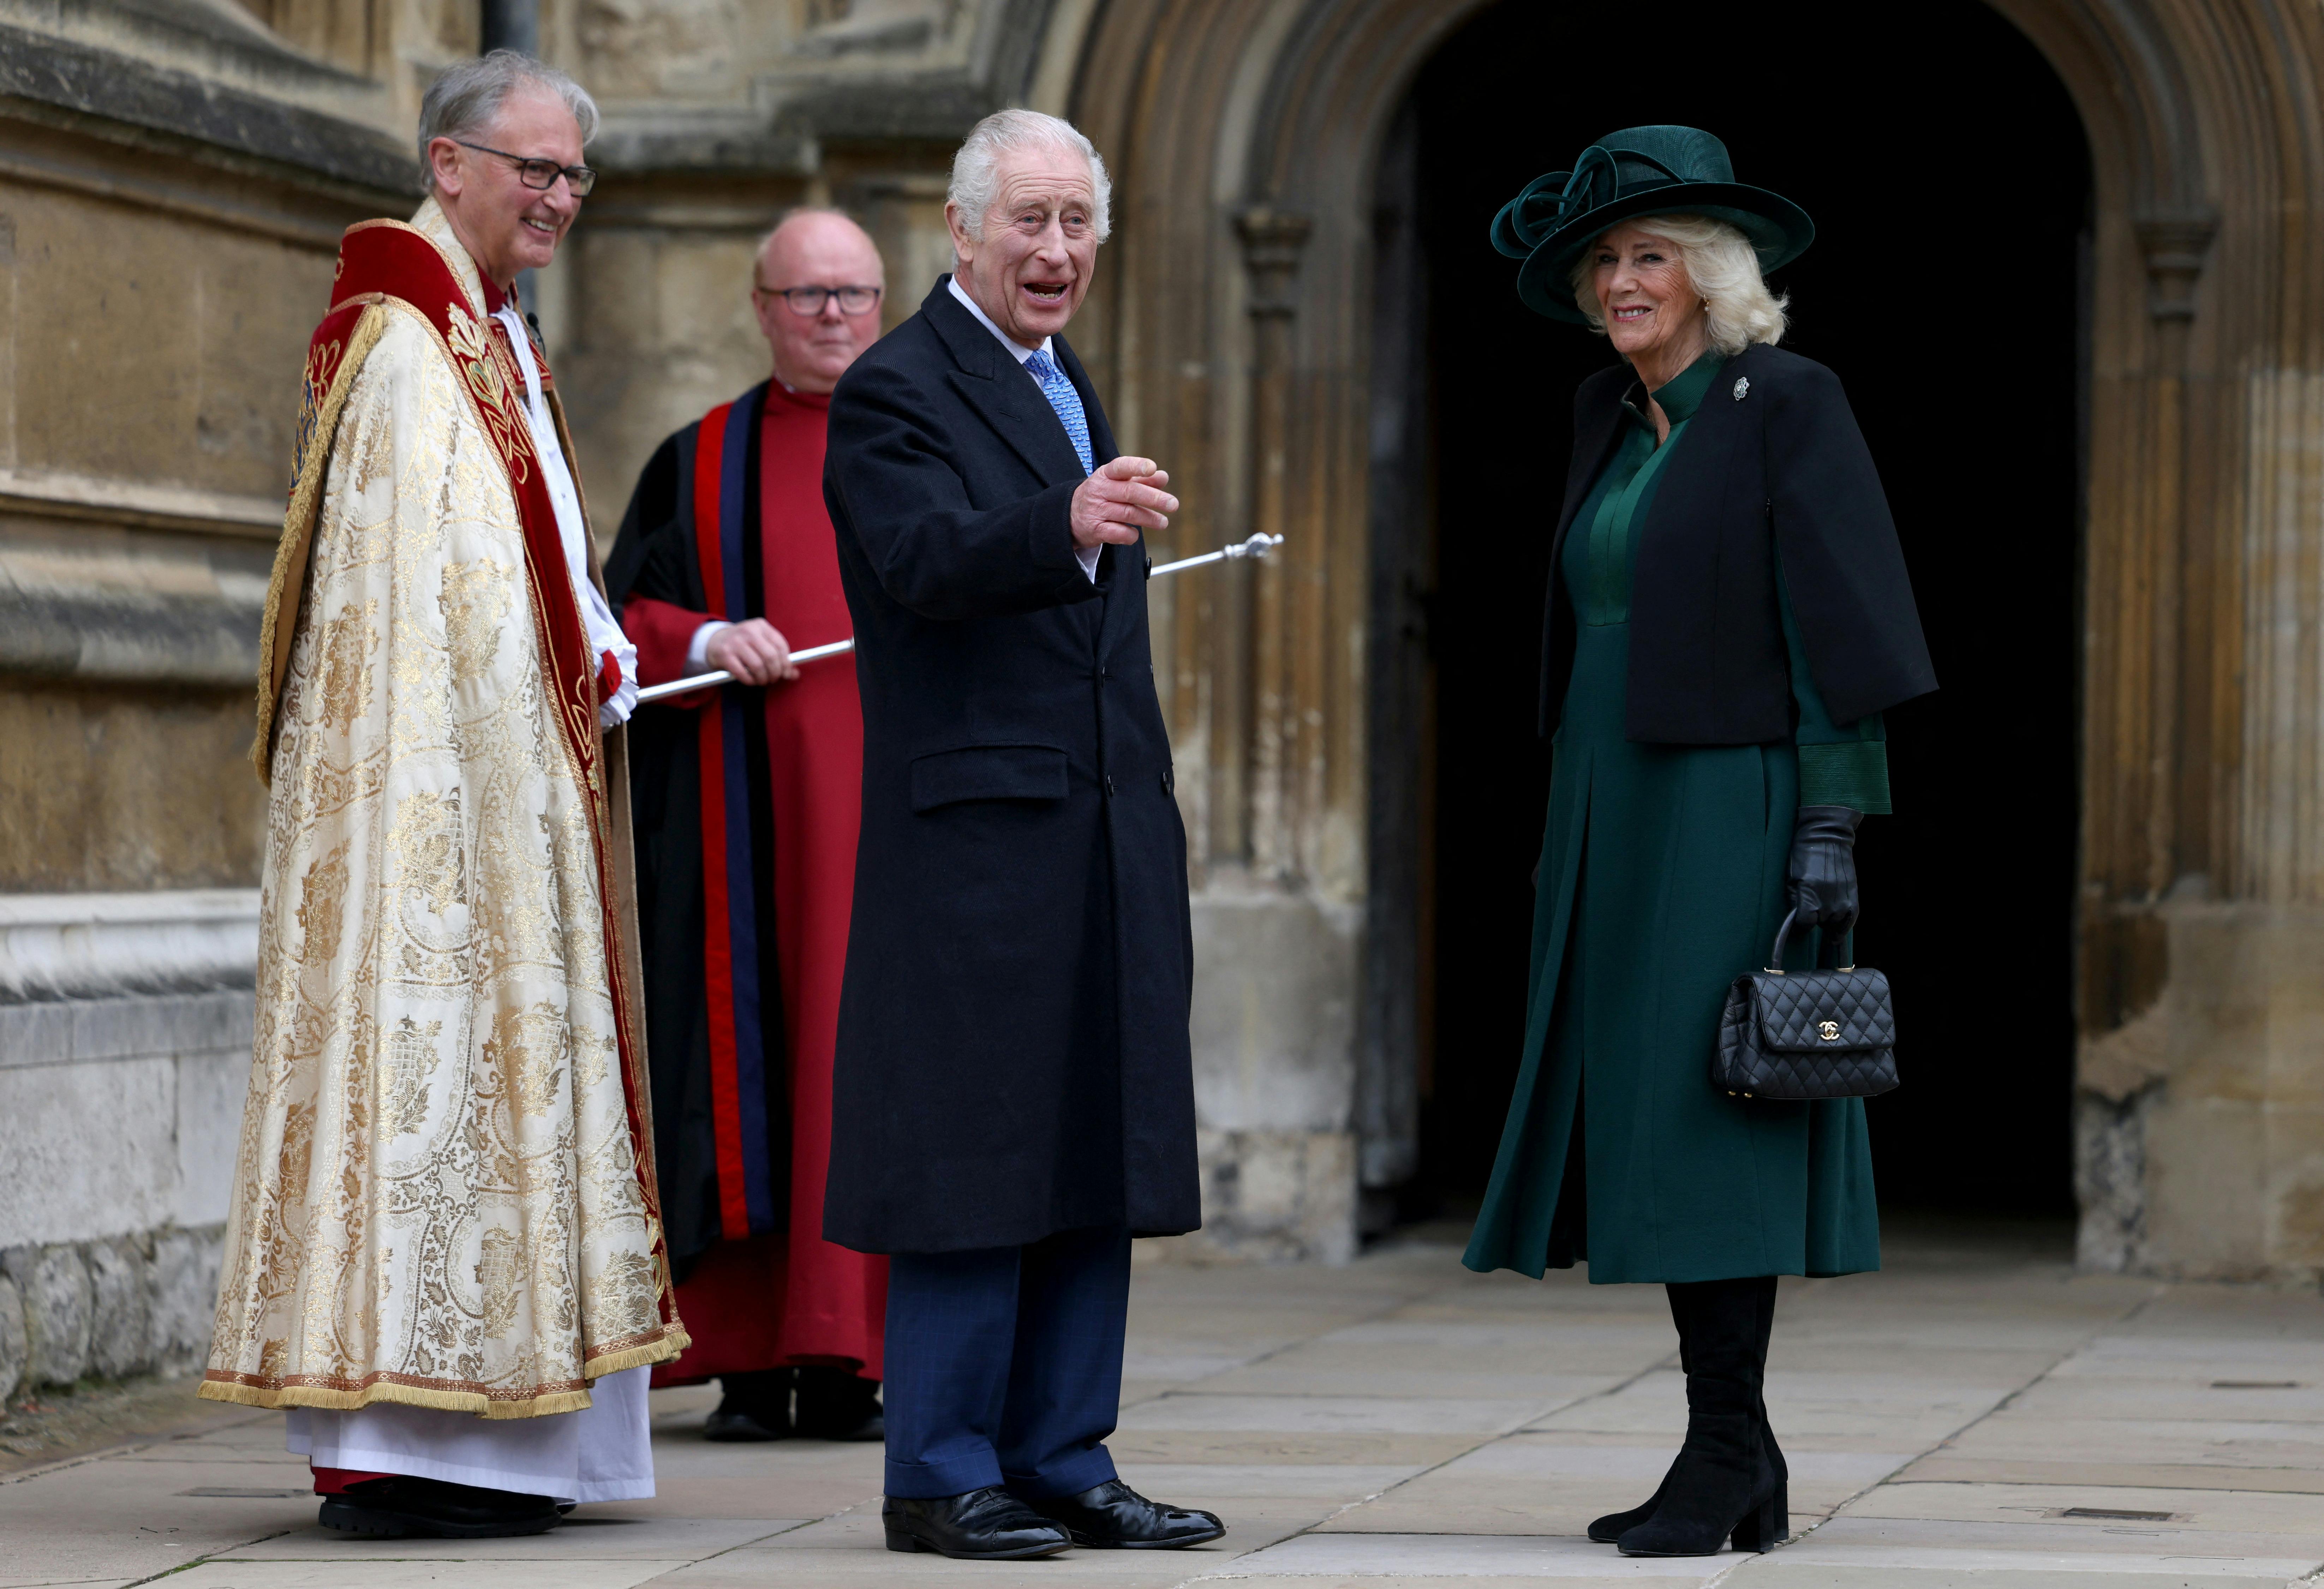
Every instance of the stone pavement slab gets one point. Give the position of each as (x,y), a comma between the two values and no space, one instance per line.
(587,1534)
(2049,1547)
(1970,1417)
(398,1573)
(1549,1484)
(1456,1556)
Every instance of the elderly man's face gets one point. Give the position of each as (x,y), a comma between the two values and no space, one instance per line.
(505,226)
(1031,264)
(812,351)
(1651,310)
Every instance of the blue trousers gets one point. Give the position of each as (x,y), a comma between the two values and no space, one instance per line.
(1004,1365)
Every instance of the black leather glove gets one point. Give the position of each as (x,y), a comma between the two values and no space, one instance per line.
(1822,872)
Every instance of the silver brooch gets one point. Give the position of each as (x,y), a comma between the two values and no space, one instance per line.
(1741,387)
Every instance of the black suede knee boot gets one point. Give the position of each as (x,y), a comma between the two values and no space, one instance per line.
(1606,1530)
(1781,1513)
(1723,1483)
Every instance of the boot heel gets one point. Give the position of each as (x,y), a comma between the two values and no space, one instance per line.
(898,1539)
(1763,1528)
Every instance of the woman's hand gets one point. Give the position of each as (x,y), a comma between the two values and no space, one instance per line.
(753,650)
(1823,871)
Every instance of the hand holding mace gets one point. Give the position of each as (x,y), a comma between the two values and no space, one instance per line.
(1256,545)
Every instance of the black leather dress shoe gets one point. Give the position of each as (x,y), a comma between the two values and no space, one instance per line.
(398,1508)
(732,1422)
(983,1525)
(835,1405)
(1115,1517)
(751,1407)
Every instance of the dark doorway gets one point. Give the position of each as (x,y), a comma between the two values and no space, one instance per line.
(1947,173)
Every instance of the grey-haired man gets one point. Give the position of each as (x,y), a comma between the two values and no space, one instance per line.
(1013,1095)
(444,1259)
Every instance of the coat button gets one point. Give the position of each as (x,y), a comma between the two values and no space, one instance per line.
(1109,783)
(1170,782)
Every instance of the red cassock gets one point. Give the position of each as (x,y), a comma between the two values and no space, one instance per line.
(758,1298)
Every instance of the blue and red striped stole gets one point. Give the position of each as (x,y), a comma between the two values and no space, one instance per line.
(738,1037)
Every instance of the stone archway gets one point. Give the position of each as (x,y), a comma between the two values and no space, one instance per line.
(1235,342)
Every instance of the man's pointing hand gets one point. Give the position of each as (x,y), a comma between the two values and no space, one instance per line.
(1121,498)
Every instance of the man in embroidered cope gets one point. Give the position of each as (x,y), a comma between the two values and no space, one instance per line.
(1013,1093)
(444,1257)
(746,804)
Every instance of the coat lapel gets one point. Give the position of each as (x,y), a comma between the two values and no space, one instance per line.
(992,383)
(1121,569)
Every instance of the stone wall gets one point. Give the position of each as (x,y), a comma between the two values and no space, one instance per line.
(2200,1120)
(124,1054)
(173,179)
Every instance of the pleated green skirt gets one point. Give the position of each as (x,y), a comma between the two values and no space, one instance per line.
(1662,880)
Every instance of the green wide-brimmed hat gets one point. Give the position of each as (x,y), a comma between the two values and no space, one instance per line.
(1637,172)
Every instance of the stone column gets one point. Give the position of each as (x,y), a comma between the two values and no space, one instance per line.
(1271,246)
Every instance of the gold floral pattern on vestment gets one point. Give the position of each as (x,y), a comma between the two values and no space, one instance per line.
(438,1198)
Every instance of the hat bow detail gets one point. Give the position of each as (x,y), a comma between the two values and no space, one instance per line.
(1549,202)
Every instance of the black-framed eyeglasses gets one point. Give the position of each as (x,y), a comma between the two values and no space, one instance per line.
(541,174)
(806,301)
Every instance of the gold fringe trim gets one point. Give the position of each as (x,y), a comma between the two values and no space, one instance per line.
(673,1342)
(276,628)
(544,1405)
(662,1347)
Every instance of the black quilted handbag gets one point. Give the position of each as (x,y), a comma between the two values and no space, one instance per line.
(1807,1034)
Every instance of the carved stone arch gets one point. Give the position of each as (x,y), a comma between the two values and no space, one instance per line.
(1231,335)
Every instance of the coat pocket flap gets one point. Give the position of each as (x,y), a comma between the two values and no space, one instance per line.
(988,772)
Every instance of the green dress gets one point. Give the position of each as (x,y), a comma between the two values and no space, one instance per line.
(1661,879)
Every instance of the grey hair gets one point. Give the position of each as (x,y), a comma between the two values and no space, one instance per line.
(467,94)
(975,168)
(1722,266)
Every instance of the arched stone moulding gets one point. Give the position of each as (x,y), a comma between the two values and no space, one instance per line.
(1231,340)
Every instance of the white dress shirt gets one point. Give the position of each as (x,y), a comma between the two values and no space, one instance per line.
(1087,557)
(596,618)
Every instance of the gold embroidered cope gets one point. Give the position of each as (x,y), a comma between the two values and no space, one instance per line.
(438,1198)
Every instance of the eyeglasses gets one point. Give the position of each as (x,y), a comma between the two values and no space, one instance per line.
(541,174)
(809,300)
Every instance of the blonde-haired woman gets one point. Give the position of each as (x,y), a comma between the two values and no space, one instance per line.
(1729,616)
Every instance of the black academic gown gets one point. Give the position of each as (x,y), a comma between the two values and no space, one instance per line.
(655,554)
(1013,1055)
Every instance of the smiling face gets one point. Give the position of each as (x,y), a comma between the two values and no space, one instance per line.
(812,352)
(1652,312)
(505,226)
(1030,262)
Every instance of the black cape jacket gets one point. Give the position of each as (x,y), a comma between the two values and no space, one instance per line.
(1013,1056)
(1772,462)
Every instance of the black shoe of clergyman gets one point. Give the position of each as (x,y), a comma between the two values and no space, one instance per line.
(835,1405)
(397,1508)
(983,1525)
(1115,1517)
(735,1420)
(754,1406)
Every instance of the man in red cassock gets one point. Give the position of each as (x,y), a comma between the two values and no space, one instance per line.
(745,800)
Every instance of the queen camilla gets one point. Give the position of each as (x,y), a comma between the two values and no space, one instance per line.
(1729,616)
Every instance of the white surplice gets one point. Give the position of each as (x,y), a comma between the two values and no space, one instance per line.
(604,1452)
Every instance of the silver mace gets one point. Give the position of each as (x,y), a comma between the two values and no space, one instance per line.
(1258,545)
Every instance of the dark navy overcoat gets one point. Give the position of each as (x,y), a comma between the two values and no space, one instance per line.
(1012,1055)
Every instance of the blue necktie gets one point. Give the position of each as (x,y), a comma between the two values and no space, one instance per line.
(1067,401)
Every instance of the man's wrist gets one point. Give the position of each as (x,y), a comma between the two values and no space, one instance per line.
(697,649)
